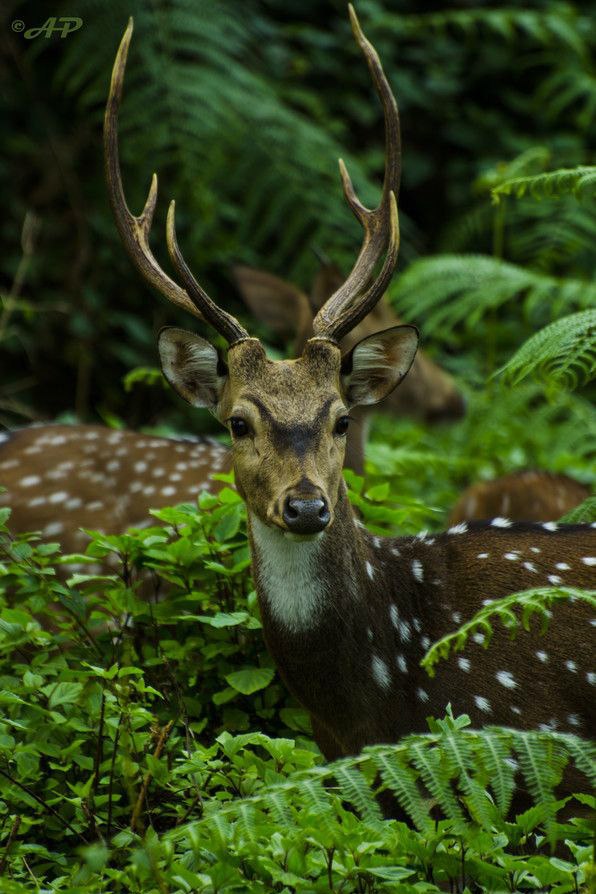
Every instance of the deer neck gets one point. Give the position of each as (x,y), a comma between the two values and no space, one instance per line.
(294,576)
(332,616)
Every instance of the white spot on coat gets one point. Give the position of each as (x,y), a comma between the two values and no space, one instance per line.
(417,569)
(380,672)
(482,704)
(394,615)
(501,522)
(30,481)
(505,678)
(405,632)
(53,528)
(461,528)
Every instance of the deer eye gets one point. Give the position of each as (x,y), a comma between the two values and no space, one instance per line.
(239,427)
(341,426)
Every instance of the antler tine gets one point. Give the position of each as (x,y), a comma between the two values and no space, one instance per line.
(223,322)
(345,308)
(134,231)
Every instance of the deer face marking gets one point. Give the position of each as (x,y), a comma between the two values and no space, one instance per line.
(288,419)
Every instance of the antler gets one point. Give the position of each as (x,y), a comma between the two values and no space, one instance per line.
(135,231)
(348,305)
(223,322)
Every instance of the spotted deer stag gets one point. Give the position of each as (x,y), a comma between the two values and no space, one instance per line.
(348,616)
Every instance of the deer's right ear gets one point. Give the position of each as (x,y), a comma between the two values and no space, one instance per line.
(192,367)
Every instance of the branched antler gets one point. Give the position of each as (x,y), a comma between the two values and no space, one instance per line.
(350,303)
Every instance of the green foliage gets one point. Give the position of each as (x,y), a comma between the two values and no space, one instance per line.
(583,514)
(562,354)
(533,604)
(580,182)
(448,291)
(123,765)
(146,743)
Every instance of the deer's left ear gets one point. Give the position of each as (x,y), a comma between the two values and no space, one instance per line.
(373,367)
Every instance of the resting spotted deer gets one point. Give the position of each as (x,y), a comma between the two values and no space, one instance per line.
(529,495)
(347,616)
(60,479)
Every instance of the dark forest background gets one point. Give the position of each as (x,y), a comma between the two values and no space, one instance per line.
(243,109)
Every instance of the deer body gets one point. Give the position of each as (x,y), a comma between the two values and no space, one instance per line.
(529,495)
(347,616)
(348,632)
(61,478)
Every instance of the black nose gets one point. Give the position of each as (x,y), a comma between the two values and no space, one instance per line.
(306,516)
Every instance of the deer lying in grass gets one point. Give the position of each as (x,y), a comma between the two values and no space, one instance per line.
(530,495)
(348,616)
(61,478)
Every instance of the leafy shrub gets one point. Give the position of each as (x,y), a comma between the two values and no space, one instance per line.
(124,765)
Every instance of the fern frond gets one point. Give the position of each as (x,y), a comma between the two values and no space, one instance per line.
(532,602)
(583,753)
(542,759)
(495,753)
(545,26)
(562,354)
(432,772)
(400,779)
(355,789)
(448,291)
(583,514)
(457,749)
(579,182)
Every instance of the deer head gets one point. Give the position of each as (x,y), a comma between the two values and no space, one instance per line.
(428,393)
(288,419)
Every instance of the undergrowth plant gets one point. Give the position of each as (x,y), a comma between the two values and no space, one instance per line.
(146,744)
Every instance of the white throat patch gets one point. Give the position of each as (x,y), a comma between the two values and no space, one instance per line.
(288,575)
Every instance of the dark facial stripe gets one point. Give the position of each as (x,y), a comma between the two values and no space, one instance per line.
(298,437)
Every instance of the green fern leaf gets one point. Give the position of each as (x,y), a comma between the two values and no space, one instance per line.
(579,182)
(562,354)
(355,789)
(495,753)
(583,514)
(449,291)
(400,779)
